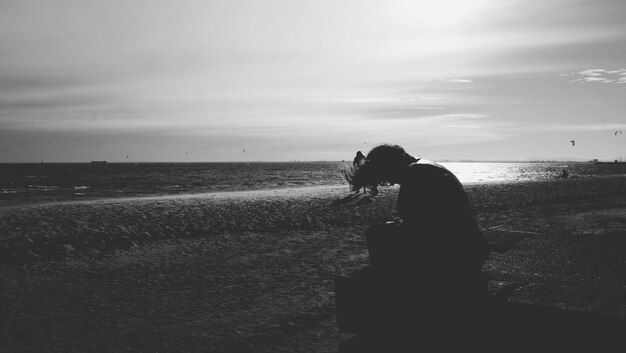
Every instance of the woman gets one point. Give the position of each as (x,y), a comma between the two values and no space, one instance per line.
(426,267)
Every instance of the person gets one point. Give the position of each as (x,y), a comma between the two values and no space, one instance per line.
(358,159)
(425,266)
(563,175)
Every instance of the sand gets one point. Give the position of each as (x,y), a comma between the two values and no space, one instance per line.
(253,271)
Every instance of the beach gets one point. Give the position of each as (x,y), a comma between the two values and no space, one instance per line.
(253,271)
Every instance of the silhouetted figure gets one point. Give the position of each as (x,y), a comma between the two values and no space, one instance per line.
(425,282)
(359,159)
(563,175)
(425,290)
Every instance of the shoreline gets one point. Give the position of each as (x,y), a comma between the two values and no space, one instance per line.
(268,192)
(213,194)
(199,194)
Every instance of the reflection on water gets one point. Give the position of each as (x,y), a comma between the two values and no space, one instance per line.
(484,172)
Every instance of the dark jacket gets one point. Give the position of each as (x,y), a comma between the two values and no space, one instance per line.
(439,250)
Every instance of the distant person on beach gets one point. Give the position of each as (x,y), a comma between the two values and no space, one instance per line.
(359,159)
(425,274)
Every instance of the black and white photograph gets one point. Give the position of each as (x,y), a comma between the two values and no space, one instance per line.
(289,176)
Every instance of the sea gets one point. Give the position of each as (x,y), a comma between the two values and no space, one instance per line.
(26,183)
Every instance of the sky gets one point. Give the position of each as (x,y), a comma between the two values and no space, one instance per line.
(286,80)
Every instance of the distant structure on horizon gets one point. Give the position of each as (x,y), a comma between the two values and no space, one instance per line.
(619,159)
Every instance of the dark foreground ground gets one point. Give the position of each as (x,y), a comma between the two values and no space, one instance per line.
(254,272)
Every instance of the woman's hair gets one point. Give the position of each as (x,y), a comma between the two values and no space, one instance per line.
(375,169)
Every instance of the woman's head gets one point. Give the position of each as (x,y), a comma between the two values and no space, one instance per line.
(383,165)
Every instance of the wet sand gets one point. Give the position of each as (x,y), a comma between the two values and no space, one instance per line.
(253,271)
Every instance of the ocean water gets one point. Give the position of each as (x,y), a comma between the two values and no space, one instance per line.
(480,172)
(49,182)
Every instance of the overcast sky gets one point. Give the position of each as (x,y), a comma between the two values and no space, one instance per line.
(278,80)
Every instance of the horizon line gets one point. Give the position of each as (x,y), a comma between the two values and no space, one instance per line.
(444,160)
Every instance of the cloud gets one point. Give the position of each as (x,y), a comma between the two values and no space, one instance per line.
(586,127)
(613,76)
(24,82)
(421,108)
(592,79)
(456,80)
(363,100)
(592,72)
(441,119)
(64,102)
(459,116)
